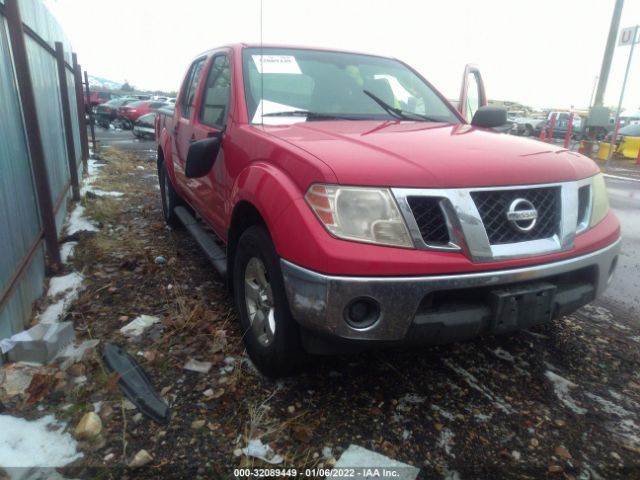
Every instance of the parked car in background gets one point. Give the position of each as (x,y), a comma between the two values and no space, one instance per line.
(108,111)
(130,112)
(561,125)
(525,124)
(97,98)
(632,130)
(144,126)
(354,215)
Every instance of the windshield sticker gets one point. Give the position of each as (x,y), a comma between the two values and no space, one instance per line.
(266,107)
(277,64)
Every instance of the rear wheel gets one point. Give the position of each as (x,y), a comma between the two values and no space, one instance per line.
(271,335)
(170,198)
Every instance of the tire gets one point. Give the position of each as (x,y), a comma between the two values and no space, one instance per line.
(169,197)
(272,339)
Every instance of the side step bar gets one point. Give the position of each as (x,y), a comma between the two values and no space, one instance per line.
(212,250)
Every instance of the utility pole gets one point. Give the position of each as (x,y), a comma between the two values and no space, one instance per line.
(608,53)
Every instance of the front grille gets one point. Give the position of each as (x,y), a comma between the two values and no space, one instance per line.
(430,219)
(493,205)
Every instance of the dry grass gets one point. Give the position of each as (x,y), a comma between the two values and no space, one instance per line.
(103,209)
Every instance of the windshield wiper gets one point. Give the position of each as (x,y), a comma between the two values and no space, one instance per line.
(398,112)
(308,114)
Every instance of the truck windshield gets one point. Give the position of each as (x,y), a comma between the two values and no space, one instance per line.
(281,84)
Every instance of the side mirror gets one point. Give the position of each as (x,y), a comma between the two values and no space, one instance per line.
(201,156)
(489,117)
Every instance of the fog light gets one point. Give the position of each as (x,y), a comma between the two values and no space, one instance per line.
(362,312)
(612,269)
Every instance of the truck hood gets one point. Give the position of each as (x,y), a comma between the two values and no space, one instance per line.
(431,155)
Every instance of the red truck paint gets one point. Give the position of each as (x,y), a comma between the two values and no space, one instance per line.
(271,168)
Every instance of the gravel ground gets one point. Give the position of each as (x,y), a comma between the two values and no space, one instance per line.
(559,402)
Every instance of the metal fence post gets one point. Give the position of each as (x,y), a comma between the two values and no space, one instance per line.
(68,124)
(34,139)
(91,118)
(82,122)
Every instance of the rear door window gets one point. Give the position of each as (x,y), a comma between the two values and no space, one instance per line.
(191,85)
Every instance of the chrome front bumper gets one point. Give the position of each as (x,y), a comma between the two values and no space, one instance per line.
(318,301)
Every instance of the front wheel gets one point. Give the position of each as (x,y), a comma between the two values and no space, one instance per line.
(271,335)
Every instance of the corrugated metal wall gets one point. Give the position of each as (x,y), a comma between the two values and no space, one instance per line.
(22,259)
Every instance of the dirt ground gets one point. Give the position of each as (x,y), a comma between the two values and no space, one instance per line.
(558,402)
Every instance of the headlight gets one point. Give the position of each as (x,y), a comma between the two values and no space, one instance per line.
(600,200)
(359,213)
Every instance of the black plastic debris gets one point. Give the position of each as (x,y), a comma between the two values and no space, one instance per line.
(135,384)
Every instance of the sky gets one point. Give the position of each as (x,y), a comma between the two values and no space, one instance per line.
(542,53)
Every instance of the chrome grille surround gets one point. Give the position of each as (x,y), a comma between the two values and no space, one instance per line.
(467,232)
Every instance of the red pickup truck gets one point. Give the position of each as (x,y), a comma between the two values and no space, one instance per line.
(349,205)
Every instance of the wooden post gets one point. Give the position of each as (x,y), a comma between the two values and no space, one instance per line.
(32,131)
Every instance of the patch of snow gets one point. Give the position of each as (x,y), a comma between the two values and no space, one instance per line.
(445,441)
(53,313)
(66,251)
(561,387)
(78,222)
(75,353)
(608,406)
(360,458)
(473,382)
(70,285)
(100,193)
(597,313)
(635,339)
(264,452)
(25,444)
(443,413)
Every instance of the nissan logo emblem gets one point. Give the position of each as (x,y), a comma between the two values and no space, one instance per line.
(522,215)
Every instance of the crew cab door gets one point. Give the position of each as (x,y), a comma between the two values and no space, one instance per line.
(210,119)
(472,93)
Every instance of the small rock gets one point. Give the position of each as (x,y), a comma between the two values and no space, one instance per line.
(616,456)
(213,426)
(559,423)
(516,455)
(150,355)
(160,260)
(534,442)
(237,452)
(331,462)
(137,418)
(555,469)
(127,405)
(194,365)
(108,457)
(208,392)
(563,453)
(89,427)
(291,409)
(77,369)
(197,424)
(141,459)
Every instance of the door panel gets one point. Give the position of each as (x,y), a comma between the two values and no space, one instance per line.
(209,120)
(183,129)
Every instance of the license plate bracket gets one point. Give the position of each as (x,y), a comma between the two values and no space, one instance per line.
(519,307)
